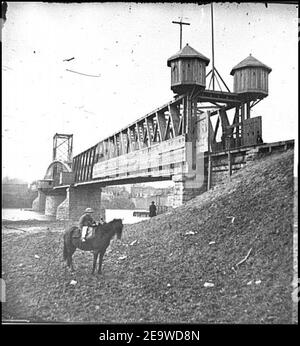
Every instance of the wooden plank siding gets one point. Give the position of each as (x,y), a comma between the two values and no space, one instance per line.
(153,158)
(251,79)
(164,124)
(188,71)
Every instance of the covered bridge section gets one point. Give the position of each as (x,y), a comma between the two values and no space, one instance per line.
(158,146)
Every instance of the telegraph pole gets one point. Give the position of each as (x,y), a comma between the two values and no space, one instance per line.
(213,49)
(180,23)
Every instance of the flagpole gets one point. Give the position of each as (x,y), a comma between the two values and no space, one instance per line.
(213,51)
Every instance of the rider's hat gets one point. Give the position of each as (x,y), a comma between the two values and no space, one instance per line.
(89,210)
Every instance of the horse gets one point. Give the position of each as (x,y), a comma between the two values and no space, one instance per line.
(98,244)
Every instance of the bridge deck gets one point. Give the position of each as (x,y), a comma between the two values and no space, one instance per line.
(158,173)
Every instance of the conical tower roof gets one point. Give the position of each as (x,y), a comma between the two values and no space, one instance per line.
(250,61)
(188,52)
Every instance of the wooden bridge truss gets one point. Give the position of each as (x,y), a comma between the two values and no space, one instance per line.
(174,119)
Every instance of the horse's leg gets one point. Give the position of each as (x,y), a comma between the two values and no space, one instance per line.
(96,253)
(70,259)
(100,261)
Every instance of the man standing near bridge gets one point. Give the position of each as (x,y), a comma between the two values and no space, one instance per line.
(152,209)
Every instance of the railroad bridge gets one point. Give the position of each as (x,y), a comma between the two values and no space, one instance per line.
(195,139)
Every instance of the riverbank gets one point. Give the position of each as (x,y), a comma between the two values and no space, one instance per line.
(224,257)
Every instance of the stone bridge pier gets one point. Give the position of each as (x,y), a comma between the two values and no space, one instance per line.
(52,201)
(69,203)
(187,187)
(39,203)
(77,199)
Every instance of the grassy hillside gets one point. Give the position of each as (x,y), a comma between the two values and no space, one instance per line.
(170,258)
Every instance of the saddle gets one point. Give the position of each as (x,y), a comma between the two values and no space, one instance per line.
(90,234)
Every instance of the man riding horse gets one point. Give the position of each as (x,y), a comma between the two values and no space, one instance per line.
(86,221)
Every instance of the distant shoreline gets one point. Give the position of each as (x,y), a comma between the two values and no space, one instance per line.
(20,208)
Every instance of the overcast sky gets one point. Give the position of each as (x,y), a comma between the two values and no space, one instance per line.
(126,47)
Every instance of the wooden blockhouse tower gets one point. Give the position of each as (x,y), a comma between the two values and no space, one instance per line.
(250,86)
(251,78)
(188,69)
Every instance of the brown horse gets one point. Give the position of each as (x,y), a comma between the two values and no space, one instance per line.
(98,244)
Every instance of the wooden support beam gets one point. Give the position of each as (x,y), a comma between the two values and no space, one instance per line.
(203,98)
(217,105)
(75,167)
(161,121)
(209,172)
(87,166)
(208,73)
(85,158)
(216,129)
(242,121)
(207,107)
(175,119)
(222,80)
(189,115)
(133,138)
(105,149)
(79,166)
(167,130)
(194,133)
(93,161)
(145,133)
(140,130)
(123,149)
(225,108)
(80,161)
(148,124)
(235,123)
(211,134)
(116,145)
(229,165)
(184,123)
(242,112)
(248,110)
(155,132)
(83,165)
(218,84)
(130,147)
(180,126)
(112,147)
(224,122)
(136,138)
(90,168)
(254,103)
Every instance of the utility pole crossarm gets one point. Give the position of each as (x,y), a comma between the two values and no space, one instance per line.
(180,23)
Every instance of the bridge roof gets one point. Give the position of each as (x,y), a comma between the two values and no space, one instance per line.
(250,61)
(188,52)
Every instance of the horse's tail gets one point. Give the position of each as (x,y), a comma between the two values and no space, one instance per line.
(68,241)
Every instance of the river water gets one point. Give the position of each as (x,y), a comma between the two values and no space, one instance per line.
(127,215)
(14,214)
